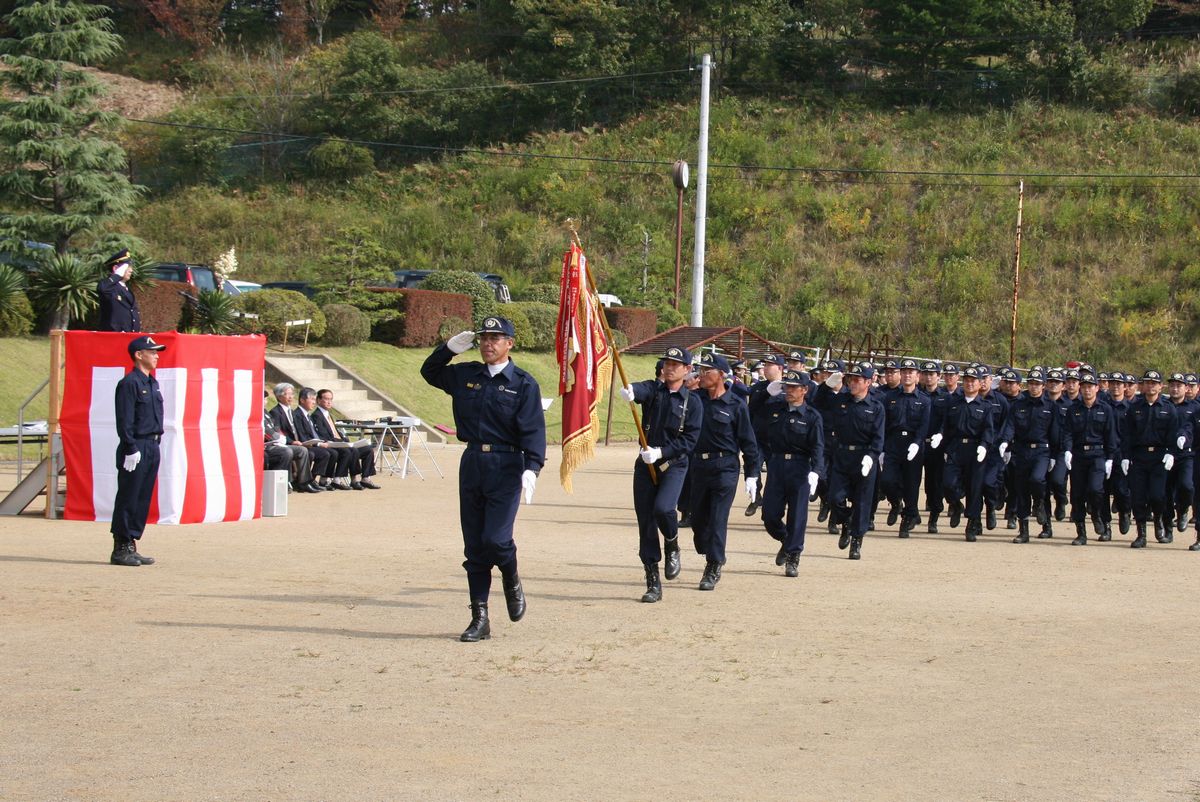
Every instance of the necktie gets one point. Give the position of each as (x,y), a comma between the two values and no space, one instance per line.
(337,435)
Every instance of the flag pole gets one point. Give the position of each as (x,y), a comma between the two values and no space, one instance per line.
(612,346)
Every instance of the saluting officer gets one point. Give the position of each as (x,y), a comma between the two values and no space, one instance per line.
(118,307)
(498,413)
(725,430)
(139,414)
(968,433)
(856,441)
(671,420)
(796,445)
(1149,430)
(1036,435)
(908,413)
(1092,428)
(1179,483)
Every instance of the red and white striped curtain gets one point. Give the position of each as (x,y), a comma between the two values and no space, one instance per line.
(212,444)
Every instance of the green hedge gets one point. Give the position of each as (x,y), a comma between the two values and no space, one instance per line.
(276,307)
(345,325)
(483,297)
(543,318)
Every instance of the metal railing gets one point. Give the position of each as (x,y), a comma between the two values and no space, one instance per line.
(21,429)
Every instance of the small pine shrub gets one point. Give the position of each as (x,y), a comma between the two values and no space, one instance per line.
(543,318)
(345,325)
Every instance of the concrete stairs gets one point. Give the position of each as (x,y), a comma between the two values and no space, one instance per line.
(353,397)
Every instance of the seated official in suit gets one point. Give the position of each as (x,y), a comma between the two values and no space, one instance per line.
(362,463)
(340,454)
(277,456)
(285,419)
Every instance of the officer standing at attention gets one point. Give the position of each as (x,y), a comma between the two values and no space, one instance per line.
(1148,432)
(796,444)
(968,433)
(725,430)
(498,413)
(671,420)
(1036,435)
(857,442)
(908,412)
(118,307)
(139,413)
(772,369)
(1092,428)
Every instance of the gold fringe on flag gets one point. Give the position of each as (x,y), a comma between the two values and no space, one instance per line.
(580,446)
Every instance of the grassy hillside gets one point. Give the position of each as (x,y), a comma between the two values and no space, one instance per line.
(1110,269)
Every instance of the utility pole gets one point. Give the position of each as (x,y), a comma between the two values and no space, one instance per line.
(645,260)
(1012,342)
(706,65)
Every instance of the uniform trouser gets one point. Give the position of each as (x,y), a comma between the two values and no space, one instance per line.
(489,492)
(788,492)
(1117,487)
(1196,492)
(1180,485)
(764,456)
(684,504)
(993,478)
(1148,485)
(848,485)
(1010,488)
(1087,484)
(823,484)
(134,489)
(1056,481)
(900,479)
(655,506)
(963,476)
(1028,468)
(935,465)
(714,485)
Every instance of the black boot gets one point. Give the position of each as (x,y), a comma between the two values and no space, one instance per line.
(856,548)
(122,554)
(956,512)
(792,567)
(653,585)
(906,525)
(142,558)
(1139,542)
(893,514)
(1097,524)
(1010,522)
(1181,523)
(991,517)
(1080,534)
(1047,530)
(1060,509)
(479,628)
(671,549)
(514,597)
(1159,530)
(685,519)
(1023,536)
(932,528)
(1039,511)
(751,508)
(823,512)
(712,575)
(1195,546)
(780,556)
(844,540)
(974,530)
(1124,521)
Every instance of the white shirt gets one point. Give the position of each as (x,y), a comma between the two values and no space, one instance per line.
(494,369)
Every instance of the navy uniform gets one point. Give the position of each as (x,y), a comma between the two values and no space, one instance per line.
(671,421)
(1193,382)
(1010,390)
(856,441)
(757,404)
(1036,435)
(1056,479)
(822,400)
(118,307)
(967,434)
(1117,486)
(1180,487)
(935,458)
(796,443)
(498,414)
(1148,433)
(139,415)
(994,463)
(907,425)
(724,431)
(1093,447)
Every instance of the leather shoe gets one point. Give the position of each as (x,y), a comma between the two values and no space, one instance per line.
(1124,521)
(368,484)
(1010,522)
(514,597)
(973,530)
(1060,510)
(793,565)
(653,585)
(313,487)
(822,512)
(356,486)
(142,558)
(712,575)
(991,518)
(780,556)
(671,547)
(956,513)
(1195,546)
(480,628)
(844,540)
(893,515)
(121,555)
(751,508)
(685,519)
(856,548)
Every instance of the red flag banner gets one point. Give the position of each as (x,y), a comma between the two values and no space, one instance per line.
(584,364)
(212,442)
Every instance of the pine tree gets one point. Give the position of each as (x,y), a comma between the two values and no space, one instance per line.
(61,173)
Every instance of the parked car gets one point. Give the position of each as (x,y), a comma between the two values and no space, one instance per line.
(295,286)
(608,300)
(25,261)
(235,287)
(199,276)
(413,278)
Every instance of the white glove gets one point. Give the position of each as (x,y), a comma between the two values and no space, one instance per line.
(528,482)
(752,489)
(775,387)
(1053,462)
(1003,449)
(132,460)
(935,441)
(627,392)
(1006,458)
(834,381)
(913,448)
(1067,459)
(1125,467)
(461,342)
(981,453)
(1168,461)
(866,464)
(813,480)
(651,454)
(881,456)
(1179,442)
(1107,468)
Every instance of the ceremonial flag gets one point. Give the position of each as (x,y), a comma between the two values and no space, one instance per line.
(212,389)
(584,364)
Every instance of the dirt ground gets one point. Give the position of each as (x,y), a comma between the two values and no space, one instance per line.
(315,657)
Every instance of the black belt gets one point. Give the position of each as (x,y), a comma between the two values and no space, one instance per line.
(967,440)
(1151,449)
(794,455)
(714,454)
(154,438)
(1086,447)
(1035,445)
(903,434)
(855,448)
(490,447)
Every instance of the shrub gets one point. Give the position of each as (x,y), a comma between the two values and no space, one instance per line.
(638,324)
(451,326)
(64,289)
(345,325)
(543,319)
(1184,96)
(620,341)
(522,331)
(540,293)
(420,315)
(16,319)
(213,313)
(162,305)
(276,307)
(483,297)
(340,160)
(668,318)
